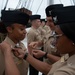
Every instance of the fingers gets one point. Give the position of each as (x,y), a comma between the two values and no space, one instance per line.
(34,51)
(20,56)
(33,45)
(15,51)
(18,52)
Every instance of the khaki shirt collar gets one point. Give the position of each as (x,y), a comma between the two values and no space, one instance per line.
(10,41)
(71,60)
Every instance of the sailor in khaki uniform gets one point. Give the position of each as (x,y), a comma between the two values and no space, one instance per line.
(47,39)
(34,35)
(66,65)
(14,23)
(48,47)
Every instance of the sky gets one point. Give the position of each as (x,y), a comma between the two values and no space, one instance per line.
(36,6)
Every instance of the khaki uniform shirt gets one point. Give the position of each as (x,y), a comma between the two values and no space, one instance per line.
(65,66)
(47,29)
(21,64)
(47,46)
(47,43)
(34,35)
(42,31)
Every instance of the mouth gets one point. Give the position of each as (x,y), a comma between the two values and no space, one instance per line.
(24,35)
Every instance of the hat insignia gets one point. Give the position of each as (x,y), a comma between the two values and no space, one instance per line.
(55,19)
(50,12)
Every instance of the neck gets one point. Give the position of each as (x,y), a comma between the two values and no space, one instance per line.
(13,39)
(72,53)
(35,27)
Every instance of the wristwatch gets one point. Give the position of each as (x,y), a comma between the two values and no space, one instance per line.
(26,55)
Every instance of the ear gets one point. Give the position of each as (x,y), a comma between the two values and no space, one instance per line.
(9,29)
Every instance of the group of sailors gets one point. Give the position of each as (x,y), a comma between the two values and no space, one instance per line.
(51,42)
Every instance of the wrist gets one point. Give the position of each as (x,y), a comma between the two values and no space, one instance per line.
(45,55)
(25,56)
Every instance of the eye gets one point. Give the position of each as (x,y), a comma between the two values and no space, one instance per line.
(22,29)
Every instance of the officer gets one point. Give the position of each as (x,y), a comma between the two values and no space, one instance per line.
(34,35)
(49,19)
(14,24)
(65,19)
(47,40)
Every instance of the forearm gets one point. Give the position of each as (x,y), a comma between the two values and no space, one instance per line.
(40,66)
(10,66)
(53,58)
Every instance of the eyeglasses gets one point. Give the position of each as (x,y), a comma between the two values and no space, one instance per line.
(56,36)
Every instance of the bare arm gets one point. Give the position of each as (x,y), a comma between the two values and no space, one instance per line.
(39,65)
(39,53)
(53,58)
(36,44)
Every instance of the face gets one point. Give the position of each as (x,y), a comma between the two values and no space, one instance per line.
(50,23)
(17,32)
(38,22)
(43,23)
(63,44)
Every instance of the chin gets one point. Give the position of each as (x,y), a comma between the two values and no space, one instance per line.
(22,38)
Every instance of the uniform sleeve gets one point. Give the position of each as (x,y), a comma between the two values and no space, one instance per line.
(66,70)
(2,64)
(30,37)
(62,73)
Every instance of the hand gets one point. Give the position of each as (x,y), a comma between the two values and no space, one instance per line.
(33,44)
(19,52)
(5,47)
(38,53)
